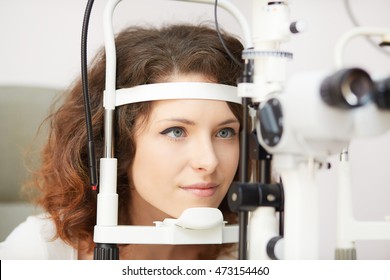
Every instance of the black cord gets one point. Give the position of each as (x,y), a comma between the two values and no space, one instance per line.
(220,35)
(356,24)
(87,108)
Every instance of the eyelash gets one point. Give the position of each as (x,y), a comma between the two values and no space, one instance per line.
(172,129)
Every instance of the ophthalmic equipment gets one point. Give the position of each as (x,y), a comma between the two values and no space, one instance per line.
(298,123)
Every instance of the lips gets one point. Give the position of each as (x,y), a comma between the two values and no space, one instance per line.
(201,189)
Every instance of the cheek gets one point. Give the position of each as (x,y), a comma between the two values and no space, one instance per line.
(153,170)
(141,166)
(147,166)
(229,158)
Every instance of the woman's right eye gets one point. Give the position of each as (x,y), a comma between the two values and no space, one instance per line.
(174,132)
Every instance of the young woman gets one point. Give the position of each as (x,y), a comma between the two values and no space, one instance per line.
(172,154)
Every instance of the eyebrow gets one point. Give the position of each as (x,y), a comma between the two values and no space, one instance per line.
(189,122)
(229,121)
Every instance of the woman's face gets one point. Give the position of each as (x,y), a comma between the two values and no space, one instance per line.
(186,155)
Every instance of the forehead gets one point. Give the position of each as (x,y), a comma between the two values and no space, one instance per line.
(182,107)
(190,108)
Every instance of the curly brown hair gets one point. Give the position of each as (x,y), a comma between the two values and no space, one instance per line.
(144,55)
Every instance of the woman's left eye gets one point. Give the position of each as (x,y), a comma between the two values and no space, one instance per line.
(226,133)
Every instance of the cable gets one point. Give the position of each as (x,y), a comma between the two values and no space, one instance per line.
(220,35)
(356,24)
(87,108)
(242,215)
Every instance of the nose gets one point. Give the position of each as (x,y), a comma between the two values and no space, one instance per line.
(204,156)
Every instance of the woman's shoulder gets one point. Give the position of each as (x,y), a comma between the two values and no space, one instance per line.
(35,239)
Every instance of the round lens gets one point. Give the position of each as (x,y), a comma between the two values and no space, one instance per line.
(347,88)
(356,88)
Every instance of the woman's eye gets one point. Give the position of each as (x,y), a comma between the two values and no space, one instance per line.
(226,133)
(174,132)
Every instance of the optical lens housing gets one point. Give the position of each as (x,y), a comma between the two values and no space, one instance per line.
(347,88)
(382,94)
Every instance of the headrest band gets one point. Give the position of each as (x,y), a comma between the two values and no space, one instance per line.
(177,90)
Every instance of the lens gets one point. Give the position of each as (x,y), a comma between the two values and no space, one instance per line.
(271,121)
(347,88)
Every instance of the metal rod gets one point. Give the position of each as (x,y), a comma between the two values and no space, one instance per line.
(243,215)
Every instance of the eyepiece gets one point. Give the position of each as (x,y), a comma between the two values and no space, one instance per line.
(382,94)
(347,88)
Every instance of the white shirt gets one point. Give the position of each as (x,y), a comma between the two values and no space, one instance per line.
(33,240)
